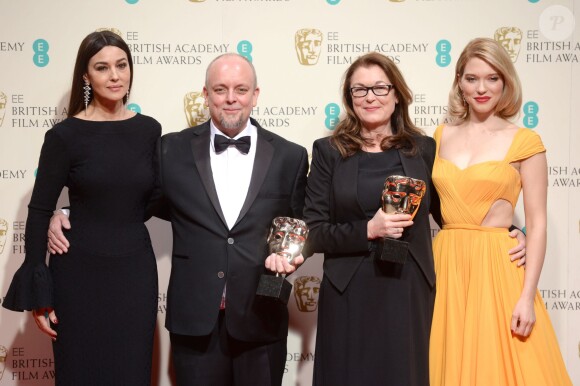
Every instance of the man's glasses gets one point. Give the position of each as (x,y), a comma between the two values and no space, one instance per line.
(381,90)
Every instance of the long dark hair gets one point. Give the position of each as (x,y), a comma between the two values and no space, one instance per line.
(347,135)
(90,46)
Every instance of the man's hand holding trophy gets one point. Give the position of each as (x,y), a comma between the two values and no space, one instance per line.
(285,242)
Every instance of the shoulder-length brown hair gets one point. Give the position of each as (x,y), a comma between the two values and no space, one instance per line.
(347,136)
(497,57)
(93,43)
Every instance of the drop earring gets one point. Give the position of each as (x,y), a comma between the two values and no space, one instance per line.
(462,97)
(87,92)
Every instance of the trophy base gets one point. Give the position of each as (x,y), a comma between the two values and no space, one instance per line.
(392,250)
(274,287)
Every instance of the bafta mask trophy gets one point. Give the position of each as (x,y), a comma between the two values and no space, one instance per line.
(287,238)
(3,355)
(400,195)
(3,100)
(194,107)
(306,290)
(3,233)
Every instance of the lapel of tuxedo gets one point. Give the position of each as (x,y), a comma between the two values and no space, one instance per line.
(200,149)
(262,161)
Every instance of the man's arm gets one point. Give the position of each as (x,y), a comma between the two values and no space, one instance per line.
(519,251)
(57,243)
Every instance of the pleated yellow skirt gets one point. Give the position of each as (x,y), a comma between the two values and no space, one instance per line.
(477,289)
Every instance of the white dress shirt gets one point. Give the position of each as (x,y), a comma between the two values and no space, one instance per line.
(232,172)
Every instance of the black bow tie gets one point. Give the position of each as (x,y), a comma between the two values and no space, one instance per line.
(221,143)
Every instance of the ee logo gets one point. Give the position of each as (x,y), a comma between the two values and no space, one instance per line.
(245,49)
(443,58)
(332,111)
(134,107)
(531,115)
(40,48)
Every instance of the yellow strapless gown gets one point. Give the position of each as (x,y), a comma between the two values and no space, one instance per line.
(477,285)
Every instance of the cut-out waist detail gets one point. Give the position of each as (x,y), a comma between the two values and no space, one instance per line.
(474,228)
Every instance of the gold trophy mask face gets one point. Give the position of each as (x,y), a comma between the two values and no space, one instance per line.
(306,291)
(111,29)
(3,100)
(308,43)
(402,195)
(287,237)
(3,355)
(511,39)
(194,107)
(3,234)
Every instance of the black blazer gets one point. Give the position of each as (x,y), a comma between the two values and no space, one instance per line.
(206,254)
(338,224)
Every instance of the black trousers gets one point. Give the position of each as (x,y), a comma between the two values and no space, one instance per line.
(220,360)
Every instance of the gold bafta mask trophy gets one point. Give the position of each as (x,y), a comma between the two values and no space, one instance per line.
(3,100)
(308,44)
(287,237)
(3,233)
(3,355)
(306,291)
(400,195)
(110,29)
(511,39)
(194,107)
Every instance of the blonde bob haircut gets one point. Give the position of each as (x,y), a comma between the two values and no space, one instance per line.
(497,57)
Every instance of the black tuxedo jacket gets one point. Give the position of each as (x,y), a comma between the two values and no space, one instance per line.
(338,224)
(206,254)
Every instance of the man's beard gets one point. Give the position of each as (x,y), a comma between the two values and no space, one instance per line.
(231,125)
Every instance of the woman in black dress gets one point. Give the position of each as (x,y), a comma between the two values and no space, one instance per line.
(97,302)
(374,317)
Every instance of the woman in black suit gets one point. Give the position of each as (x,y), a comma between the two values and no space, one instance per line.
(374,316)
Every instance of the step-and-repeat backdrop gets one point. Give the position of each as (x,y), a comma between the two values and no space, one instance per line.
(300,49)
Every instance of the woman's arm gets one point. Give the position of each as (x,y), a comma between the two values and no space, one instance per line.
(534,175)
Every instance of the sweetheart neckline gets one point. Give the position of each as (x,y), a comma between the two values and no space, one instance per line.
(512,144)
(469,166)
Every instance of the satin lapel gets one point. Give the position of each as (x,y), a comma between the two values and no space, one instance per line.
(200,149)
(264,155)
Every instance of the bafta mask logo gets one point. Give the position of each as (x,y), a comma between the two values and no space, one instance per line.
(196,1)
(308,43)
(511,39)
(306,289)
(195,109)
(111,29)
(3,233)
(3,100)
(3,355)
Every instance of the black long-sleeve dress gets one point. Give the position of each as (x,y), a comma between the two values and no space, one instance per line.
(104,290)
(374,318)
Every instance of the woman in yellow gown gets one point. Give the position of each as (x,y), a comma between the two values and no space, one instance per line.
(490,326)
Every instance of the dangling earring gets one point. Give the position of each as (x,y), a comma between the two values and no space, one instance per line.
(87,89)
(463,97)
(127,96)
